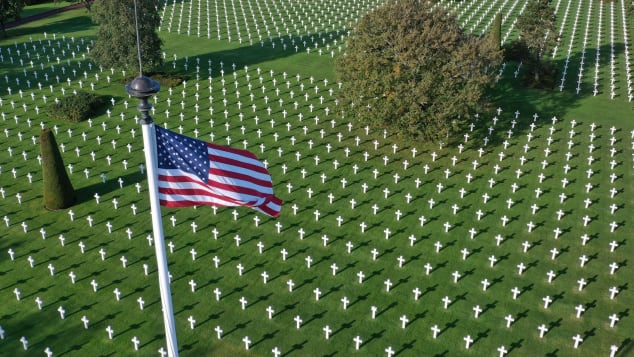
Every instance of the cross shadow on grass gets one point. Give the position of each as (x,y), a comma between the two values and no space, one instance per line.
(489,306)
(287,307)
(553,324)
(260,299)
(627,347)
(297,347)
(280,274)
(237,327)
(214,316)
(209,282)
(236,290)
(515,345)
(107,317)
(83,308)
(406,346)
(419,316)
(137,290)
(344,326)
(496,281)
(38,291)
(332,290)
(186,274)
(359,298)
(374,336)
(17,282)
(374,273)
(389,307)
(131,327)
(481,335)
(448,326)
(266,336)
(305,282)
(187,308)
(316,316)
(158,337)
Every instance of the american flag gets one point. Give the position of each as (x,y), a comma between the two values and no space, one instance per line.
(192,172)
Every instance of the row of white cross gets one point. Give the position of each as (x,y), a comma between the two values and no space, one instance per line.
(581,283)
(472,13)
(280,20)
(613,44)
(305,154)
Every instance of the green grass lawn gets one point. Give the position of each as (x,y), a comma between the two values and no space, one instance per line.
(289,138)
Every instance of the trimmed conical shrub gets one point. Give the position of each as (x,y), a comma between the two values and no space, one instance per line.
(496,31)
(58,190)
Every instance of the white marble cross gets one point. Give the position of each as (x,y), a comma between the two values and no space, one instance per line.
(85,320)
(468,341)
(62,312)
(404,321)
(435,330)
(477,310)
(327,331)
(110,332)
(247,342)
(25,343)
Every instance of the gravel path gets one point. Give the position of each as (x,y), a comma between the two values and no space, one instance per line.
(42,15)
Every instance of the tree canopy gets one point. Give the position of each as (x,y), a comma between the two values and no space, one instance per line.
(408,67)
(537,26)
(116,44)
(9,10)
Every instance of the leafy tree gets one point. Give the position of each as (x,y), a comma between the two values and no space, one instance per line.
(537,33)
(116,43)
(410,68)
(9,10)
(58,190)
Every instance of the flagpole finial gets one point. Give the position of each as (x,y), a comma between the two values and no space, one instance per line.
(142,88)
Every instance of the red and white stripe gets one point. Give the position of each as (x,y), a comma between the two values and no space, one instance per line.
(236,178)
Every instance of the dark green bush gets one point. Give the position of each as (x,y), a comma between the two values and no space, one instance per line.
(516,51)
(168,80)
(76,107)
(165,79)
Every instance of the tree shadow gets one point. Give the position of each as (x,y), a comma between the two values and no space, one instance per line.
(87,193)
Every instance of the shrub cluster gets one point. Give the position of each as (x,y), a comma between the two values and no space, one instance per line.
(77,107)
(516,51)
(165,79)
(168,80)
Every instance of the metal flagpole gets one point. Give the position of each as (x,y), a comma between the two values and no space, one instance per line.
(142,88)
